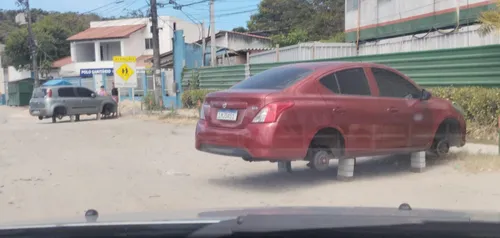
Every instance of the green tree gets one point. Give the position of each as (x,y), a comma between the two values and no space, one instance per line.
(294,37)
(320,19)
(240,29)
(490,20)
(8,23)
(51,33)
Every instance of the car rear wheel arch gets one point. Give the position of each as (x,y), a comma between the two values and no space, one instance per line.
(60,110)
(107,106)
(330,138)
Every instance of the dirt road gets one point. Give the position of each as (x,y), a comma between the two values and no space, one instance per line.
(129,165)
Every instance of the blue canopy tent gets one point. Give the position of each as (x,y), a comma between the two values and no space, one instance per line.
(57,82)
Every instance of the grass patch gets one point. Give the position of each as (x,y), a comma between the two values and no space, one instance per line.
(482,134)
(472,163)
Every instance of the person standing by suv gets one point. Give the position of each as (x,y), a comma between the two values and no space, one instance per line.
(102,91)
(114,93)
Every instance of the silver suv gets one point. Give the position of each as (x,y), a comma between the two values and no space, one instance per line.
(58,101)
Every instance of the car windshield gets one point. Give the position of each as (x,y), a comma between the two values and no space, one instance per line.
(275,78)
(39,93)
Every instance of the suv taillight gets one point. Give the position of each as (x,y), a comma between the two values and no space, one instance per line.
(271,112)
(49,93)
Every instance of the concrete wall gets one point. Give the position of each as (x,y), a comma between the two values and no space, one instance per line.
(239,42)
(134,45)
(3,80)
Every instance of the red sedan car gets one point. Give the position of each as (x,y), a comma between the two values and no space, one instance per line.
(326,110)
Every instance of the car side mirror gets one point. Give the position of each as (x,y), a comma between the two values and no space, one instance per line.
(426,95)
(93,95)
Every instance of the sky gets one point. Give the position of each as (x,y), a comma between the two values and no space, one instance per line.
(228,13)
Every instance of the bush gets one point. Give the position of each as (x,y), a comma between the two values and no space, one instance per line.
(481,105)
(190,98)
(149,102)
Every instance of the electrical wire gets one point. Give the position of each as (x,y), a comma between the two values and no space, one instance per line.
(196,22)
(95,9)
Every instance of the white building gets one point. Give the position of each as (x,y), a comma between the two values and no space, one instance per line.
(380,19)
(92,50)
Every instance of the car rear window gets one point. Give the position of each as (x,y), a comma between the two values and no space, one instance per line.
(275,78)
(39,93)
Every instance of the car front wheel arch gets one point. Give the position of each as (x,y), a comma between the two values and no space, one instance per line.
(449,130)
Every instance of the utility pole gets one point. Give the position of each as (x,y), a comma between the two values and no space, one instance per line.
(156,51)
(212,34)
(32,41)
(203,43)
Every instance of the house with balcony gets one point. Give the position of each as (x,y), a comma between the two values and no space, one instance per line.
(92,50)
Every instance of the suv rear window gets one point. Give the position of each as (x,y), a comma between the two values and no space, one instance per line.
(275,78)
(39,93)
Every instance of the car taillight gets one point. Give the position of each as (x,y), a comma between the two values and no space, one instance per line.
(49,93)
(271,112)
(204,107)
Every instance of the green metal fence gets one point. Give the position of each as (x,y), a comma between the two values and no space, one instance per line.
(215,77)
(472,66)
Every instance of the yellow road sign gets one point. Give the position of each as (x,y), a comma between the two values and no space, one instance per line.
(124,59)
(125,72)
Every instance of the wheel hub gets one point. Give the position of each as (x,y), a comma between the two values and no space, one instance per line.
(321,161)
(442,148)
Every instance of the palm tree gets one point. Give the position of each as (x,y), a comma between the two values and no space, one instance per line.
(490,20)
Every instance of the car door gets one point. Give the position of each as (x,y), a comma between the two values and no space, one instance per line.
(406,115)
(349,101)
(67,96)
(89,103)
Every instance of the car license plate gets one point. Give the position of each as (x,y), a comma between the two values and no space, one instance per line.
(227,115)
(35,111)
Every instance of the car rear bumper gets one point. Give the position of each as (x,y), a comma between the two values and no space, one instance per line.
(256,142)
(40,112)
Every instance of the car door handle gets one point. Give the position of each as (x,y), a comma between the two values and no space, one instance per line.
(338,110)
(392,109)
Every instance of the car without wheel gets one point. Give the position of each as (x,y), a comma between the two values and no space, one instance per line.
(327,110)
(57,102)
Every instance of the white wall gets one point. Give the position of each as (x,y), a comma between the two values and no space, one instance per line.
(120,22)
(134,45)
(383,11)
(165,23)
(2,79)
(14,74)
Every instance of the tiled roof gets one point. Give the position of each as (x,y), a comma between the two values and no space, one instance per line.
(141,60)
(61,62)
(107,32)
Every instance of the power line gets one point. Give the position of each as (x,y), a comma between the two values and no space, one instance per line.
(95,9)
(236,13)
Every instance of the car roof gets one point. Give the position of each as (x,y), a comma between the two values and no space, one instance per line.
(332,64)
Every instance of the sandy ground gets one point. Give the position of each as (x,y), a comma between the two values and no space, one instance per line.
(124,165)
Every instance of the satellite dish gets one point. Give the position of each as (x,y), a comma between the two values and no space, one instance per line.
(20,18)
